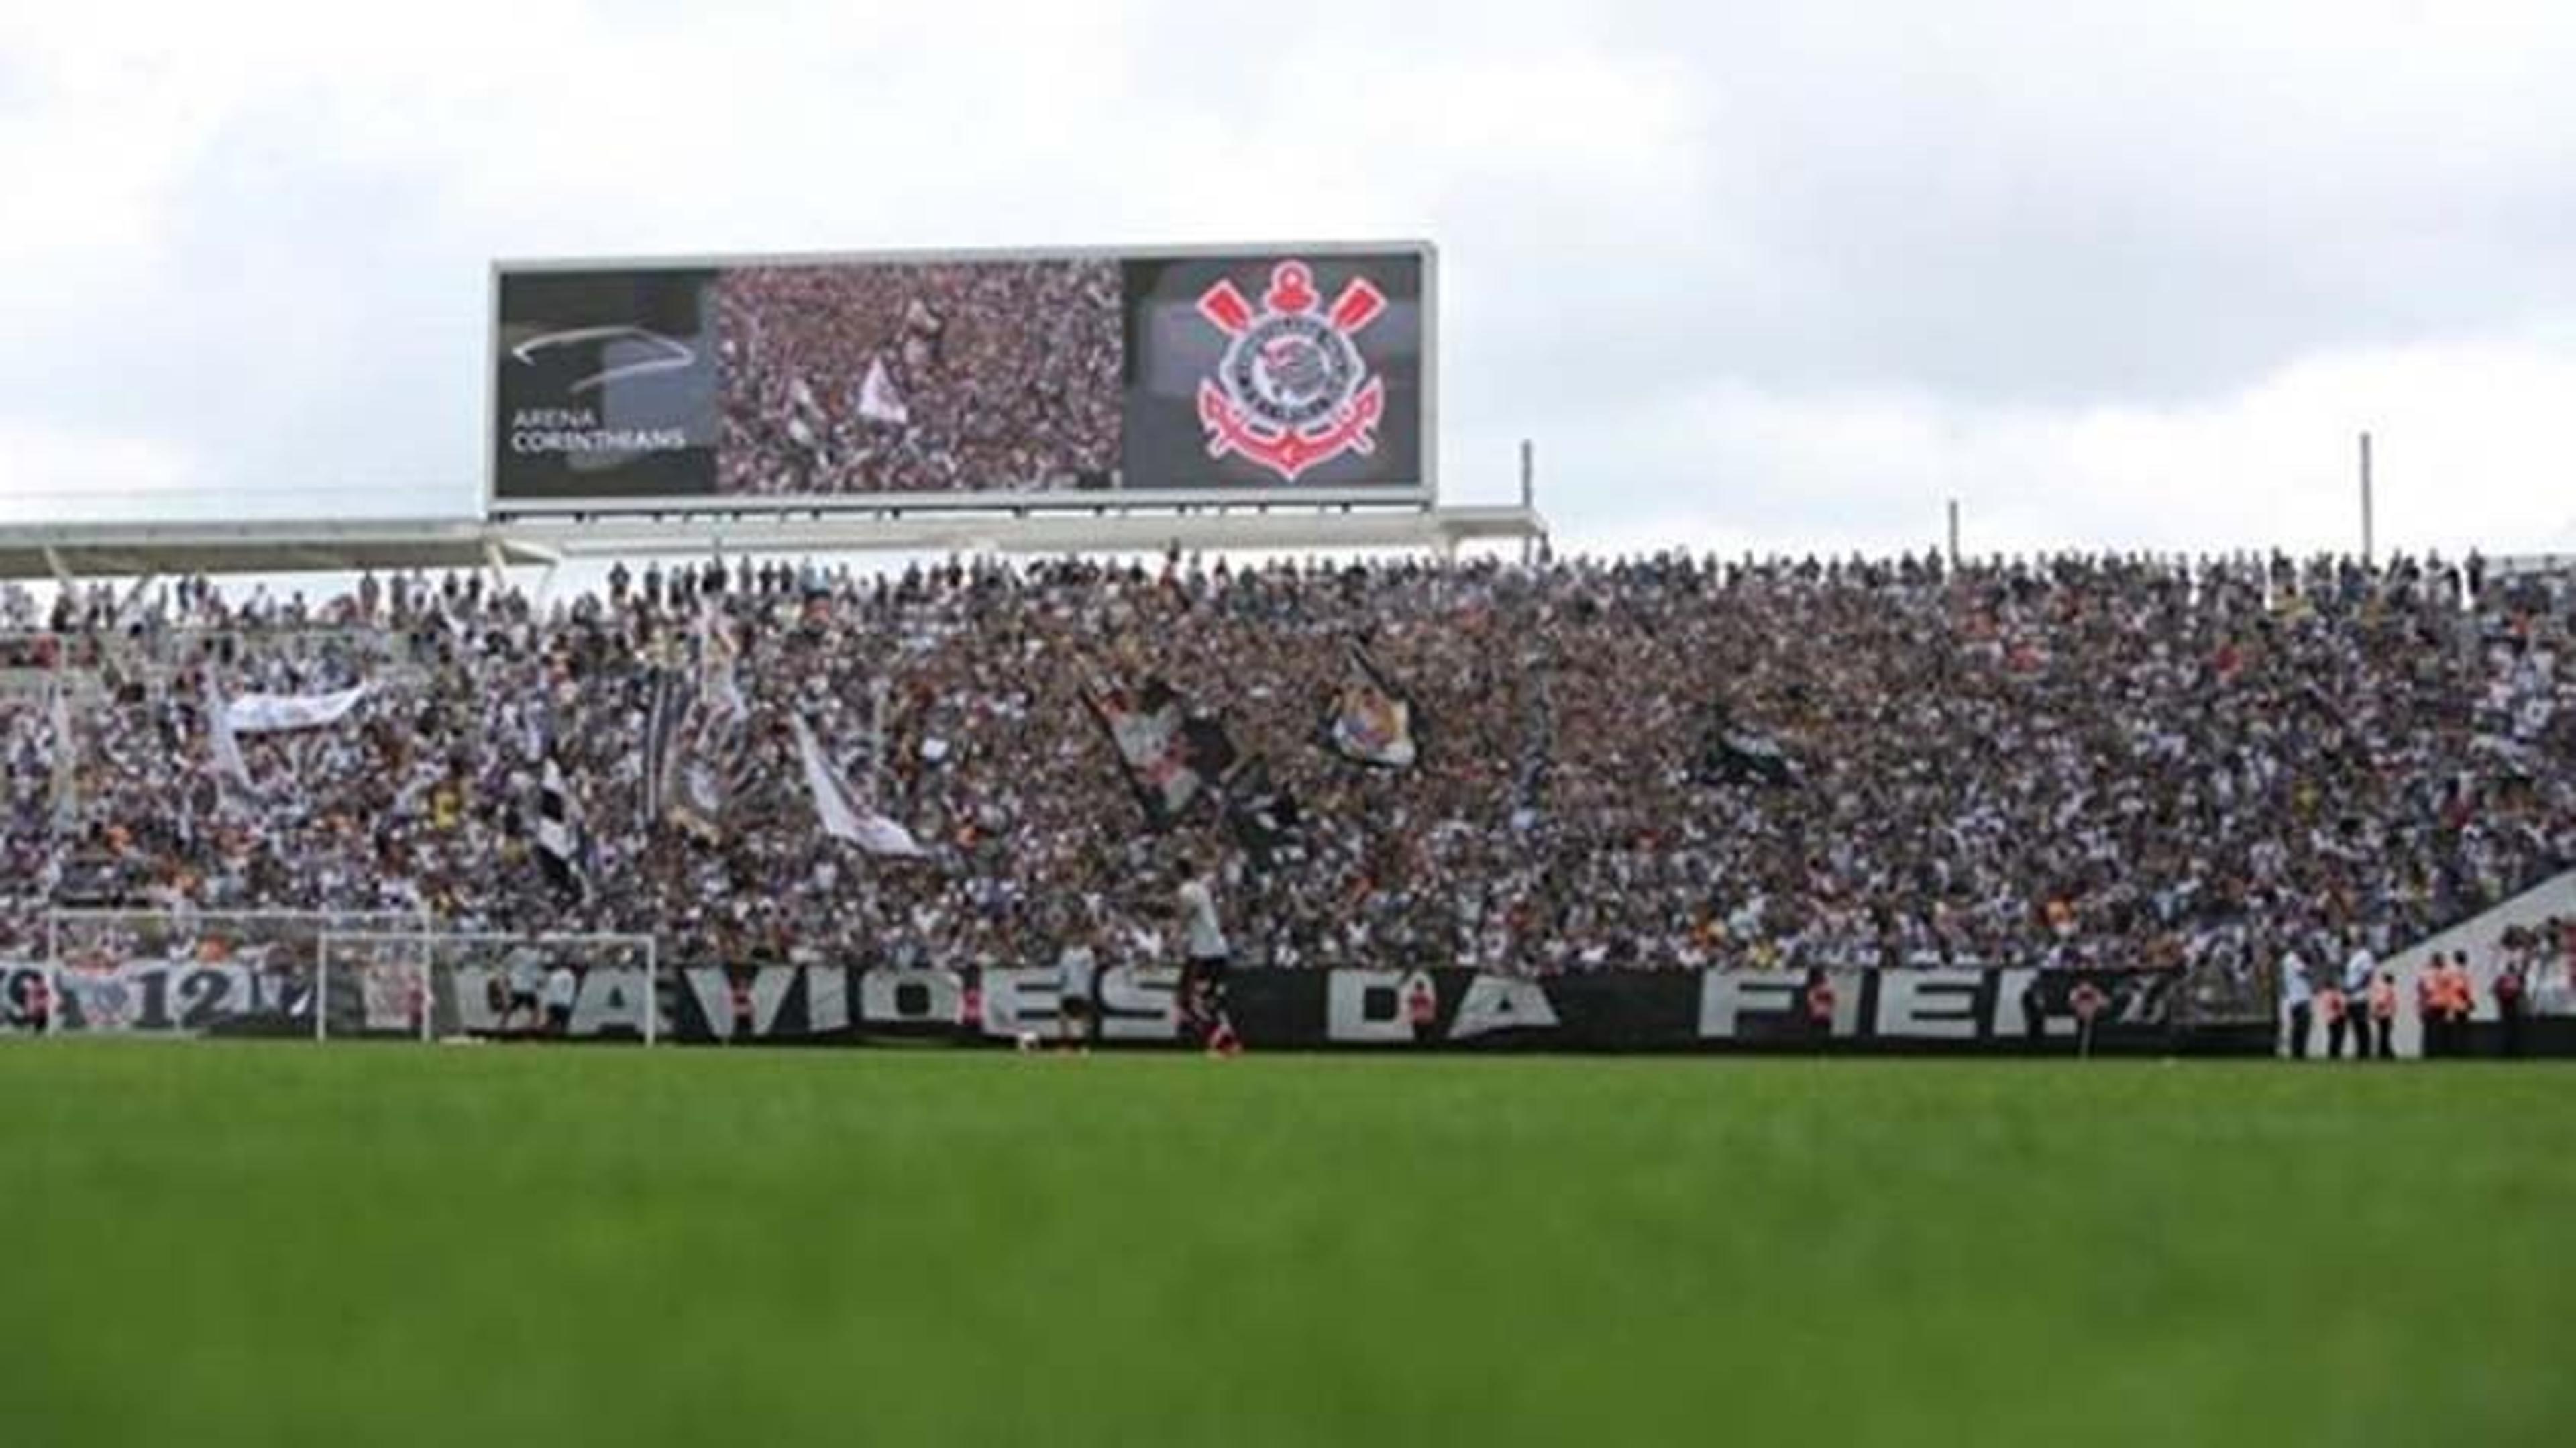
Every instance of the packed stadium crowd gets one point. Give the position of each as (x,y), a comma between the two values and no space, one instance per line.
(2074,761)
(917,379)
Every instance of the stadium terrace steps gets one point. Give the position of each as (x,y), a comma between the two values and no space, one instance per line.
(2477,936)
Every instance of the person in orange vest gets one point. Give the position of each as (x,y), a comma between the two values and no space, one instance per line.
(2459,998)
(2383,1014)
(2337,1012)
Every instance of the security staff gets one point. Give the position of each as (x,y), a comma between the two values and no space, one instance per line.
(2383,1015)
(2458,995)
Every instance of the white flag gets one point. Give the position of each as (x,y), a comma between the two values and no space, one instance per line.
(226,747)
(878,401)
(843,819)
(271,713)
(66,762)
(716,675)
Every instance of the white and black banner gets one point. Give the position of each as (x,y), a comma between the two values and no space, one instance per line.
(1916,1011)
(156,996)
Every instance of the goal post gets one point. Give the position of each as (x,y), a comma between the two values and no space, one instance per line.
(171,973)
(428,985)
(374,987)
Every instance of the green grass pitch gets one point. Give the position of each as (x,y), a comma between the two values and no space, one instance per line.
(285,1244)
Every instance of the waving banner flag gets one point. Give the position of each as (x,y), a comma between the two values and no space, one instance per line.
(701,770)
(878,401)
(843,817)
(1168,755)
(661,724)
(694,756)
(276,713)
(66,761)
(562,848)
(1372,721)
(1262,815)
(1731,754)
(225,747)
(718,680)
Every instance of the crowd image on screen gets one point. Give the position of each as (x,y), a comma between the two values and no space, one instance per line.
(926,378)
(2083,761)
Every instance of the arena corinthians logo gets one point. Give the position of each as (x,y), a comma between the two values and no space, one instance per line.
(663,354)
(1292,391)
(578,429)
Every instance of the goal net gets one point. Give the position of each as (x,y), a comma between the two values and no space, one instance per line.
(397,985)
(190,972)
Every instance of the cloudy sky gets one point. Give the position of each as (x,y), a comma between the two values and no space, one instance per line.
(1751,275)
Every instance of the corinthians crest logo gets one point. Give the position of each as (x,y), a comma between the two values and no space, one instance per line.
(1292,391)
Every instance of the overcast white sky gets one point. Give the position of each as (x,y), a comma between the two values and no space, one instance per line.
(1752,275)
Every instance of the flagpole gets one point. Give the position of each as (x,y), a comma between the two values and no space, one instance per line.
(66,800)
(877,690)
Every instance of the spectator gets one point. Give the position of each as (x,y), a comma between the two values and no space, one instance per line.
(2298,997)
(2511,999)
(2084,761)
(1819,1005)
(2336,1007)
(919,379)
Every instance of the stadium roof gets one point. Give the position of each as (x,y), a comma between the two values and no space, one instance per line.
(129,550)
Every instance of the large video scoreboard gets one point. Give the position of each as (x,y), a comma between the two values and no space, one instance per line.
(1248,374)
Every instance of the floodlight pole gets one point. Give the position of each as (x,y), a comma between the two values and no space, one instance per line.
(1954,535)
(1529,497)
(877,690)
(2367,540)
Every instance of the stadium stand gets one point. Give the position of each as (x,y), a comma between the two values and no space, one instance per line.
(1639,764)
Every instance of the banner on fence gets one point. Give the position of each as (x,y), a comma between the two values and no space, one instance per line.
(1901,1010)
(1677,1011)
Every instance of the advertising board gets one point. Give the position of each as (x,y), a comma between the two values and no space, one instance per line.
(1244,374)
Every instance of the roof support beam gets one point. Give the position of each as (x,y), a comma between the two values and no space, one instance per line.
(210,548)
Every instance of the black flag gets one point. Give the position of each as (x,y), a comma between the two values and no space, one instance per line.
(1168,755)
(1730,754)
(1372,721)
(1262,815)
